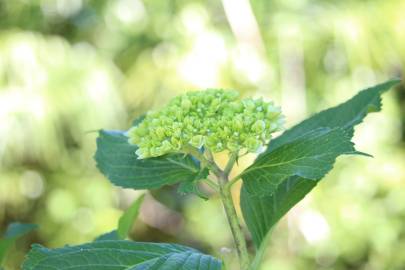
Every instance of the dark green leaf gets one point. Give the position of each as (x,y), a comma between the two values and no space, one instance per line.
(181,261)
(138,120)
(17,229)
(128,218)
(13,233)
(193,185)
(262,212)
(117,160)
(116,255)
(345,115)
(113,235)
(125,222)
(310,156)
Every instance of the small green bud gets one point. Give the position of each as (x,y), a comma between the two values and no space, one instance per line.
(177,132)
(233,146)
(249,105)
(236,106)
(166,146)
(141,131)
(186,104)
(197,141)
(142,153)
(259,126)
(237,123)
(155,152)
(252,144)
(248,120)
(215,102)
(273,111)
(160,132)
(219,147)
(211,141)
(176,143)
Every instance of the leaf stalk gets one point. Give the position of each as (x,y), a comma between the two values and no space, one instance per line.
(233,220)
(226,197)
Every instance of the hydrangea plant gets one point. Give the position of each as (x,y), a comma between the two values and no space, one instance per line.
(177,145)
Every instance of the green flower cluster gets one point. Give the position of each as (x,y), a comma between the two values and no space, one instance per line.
(213,119)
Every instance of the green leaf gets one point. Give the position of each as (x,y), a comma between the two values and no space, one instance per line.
(128,218)
(345,115)
(310,156)
(116,255)
(113,235)
(181,261)
(138,120)
(117,160)
(192,186)
(260,253)
(262,212)
(125,222)
(13,233)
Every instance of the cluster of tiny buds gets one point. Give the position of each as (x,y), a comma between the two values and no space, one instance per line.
(214,119)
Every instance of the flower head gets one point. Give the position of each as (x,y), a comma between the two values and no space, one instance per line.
(213,119)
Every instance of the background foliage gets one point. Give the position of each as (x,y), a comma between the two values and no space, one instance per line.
(68,68)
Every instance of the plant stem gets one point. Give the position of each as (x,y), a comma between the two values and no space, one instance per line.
(236,229)
(226,198)
(258,259)
(211,184)
(233,180)
(210,164)
(231,162)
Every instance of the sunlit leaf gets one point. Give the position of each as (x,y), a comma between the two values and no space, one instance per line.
(117,160)
(262,212)
(128,218)
(118,255)
(345,115)
(310,156)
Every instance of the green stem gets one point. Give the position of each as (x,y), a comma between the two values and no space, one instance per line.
(234,180)
(231,162)
(211,184)
(209,154)
(258,259)
(226,197)
(236,229)
(211,165)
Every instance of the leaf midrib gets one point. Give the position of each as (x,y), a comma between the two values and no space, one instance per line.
(283,163)
(193,169)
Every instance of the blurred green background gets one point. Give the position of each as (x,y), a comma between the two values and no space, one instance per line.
(69,67)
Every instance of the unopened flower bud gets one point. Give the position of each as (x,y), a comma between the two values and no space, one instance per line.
(259,126)
(197,141)
(252,144)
